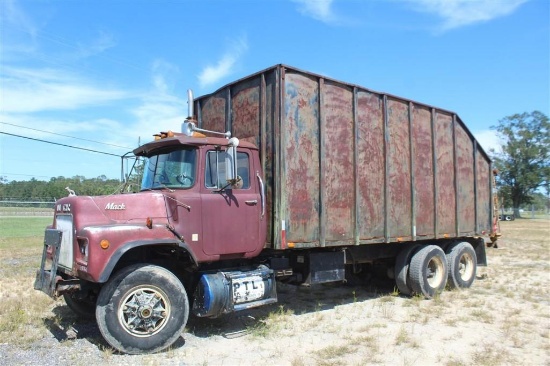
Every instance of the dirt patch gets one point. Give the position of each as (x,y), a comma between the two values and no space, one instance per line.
(504,318)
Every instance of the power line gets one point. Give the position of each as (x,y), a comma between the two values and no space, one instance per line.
(26,175)
(72,137)
(56,143)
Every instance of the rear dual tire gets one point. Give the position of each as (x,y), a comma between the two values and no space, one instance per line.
(401,270)
(425,271)
(428,271)
(462,264)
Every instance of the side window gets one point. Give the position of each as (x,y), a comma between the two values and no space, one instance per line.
(215,169)
(243,169)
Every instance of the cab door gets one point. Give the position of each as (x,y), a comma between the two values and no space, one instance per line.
(230,215)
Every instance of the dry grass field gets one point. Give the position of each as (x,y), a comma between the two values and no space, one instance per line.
(504,319)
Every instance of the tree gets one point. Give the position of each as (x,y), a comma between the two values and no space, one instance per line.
(524,159)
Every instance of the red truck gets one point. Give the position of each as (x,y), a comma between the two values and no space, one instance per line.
(327,180)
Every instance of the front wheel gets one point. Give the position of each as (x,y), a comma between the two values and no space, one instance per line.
(142,309)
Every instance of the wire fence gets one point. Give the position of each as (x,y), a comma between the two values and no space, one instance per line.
(28,207)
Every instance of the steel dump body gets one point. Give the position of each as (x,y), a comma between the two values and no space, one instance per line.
(345,165)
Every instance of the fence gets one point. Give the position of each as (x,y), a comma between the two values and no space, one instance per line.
(31,207)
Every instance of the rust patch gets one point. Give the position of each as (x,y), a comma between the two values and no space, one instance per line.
(370,147)
(445,199)
(423,170)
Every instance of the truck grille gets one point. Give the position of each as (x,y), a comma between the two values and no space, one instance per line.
(64,223)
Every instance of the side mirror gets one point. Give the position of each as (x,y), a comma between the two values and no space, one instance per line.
(231,161)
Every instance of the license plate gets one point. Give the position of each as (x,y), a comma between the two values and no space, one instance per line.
(248,289)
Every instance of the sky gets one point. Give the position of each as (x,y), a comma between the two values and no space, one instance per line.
(83,82)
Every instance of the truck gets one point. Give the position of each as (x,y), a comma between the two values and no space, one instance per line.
(283,176)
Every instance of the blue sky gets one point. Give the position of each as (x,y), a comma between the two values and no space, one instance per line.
(105,75)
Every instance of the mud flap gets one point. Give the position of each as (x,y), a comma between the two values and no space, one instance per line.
(481,254)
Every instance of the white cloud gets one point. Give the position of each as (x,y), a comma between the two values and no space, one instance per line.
(36,90)
(212,74)
(457,13)
(488,140)
(317,9)
(99,45)
(165,76)
(12,14)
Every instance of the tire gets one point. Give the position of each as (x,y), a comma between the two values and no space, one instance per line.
(428,271)
(462,265)
(142,309)
(401,269)
(83,307)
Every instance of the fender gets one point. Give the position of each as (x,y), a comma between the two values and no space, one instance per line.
(139,243)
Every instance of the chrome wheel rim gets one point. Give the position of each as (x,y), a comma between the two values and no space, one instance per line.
(466,267)
(435,272)
(144,311)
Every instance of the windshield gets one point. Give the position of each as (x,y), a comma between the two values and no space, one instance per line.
(172,169)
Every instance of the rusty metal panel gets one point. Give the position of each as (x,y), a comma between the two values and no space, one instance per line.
(399,174)
(245,111)
(212,112)
(483,182)
(269,114)
(300,127)
(445,198)
(423,171)
(465,181)
(338,179)
(371,161)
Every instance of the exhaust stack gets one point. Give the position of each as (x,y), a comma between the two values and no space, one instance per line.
(190,102)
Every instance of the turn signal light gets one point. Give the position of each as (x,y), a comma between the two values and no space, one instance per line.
(149,223)
(104,244)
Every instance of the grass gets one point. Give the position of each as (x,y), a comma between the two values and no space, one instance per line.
(22,227)
(275,322)
(22,310)
(334,351)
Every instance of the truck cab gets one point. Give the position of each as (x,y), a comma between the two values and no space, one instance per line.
(216,212)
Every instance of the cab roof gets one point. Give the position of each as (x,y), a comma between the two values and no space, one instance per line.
(180,139)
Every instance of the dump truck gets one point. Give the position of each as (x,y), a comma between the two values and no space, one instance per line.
(281,176)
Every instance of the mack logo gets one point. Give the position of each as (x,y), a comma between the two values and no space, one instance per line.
(114,206)
(65,207)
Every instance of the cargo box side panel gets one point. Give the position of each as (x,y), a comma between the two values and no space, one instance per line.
(399,173)
(245,111)
(445,199)
(213,112)
(337,162)
(483,193)
(371,161)
(300,127)
(423,172)
(465,181)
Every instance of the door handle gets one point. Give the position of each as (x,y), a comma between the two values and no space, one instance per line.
(251,202)
(262,193)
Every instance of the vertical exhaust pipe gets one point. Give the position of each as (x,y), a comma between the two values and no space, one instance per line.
(190,103)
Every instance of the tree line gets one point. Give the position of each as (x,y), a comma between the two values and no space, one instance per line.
(56,188)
